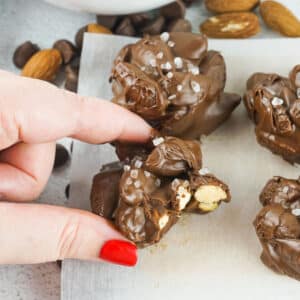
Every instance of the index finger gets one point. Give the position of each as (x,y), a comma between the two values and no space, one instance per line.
(34,111)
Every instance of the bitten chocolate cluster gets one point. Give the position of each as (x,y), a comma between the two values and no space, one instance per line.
(273,103)
(146,195)
(174,83)
(278,226)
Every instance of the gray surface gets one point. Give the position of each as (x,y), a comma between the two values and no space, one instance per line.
(218,253)
(34,20)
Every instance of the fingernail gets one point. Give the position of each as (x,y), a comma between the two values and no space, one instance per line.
(119,252)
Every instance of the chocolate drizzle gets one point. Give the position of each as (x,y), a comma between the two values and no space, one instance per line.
(174,83)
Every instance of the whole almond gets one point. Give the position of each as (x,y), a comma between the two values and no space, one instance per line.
(43,65)
(231,25)
(225,6)
(280,18)
(96,28)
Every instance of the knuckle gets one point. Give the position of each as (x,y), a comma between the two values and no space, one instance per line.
(69,239)
(9,132)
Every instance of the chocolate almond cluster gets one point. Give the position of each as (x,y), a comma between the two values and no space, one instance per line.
(174,83)
(145,196)
(273,103)
(278,226)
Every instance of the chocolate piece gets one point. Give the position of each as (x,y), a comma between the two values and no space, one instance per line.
(23,53)
(272,102)
(189,2)
(61,156)
(173,156)
(155,189)
(180,25)
(174,83)
(105,190)
(66,49)
(154,26)
(278,226)
(79,36)
(173,10)
(107,21)
(125,28)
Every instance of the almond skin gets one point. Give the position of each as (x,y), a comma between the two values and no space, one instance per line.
(225,6)
(96,28)
(231,25)
(280,18)
(43,65)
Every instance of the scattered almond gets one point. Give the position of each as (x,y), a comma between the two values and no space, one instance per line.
(96,28)
(231,25)
(225,6)
(43,65)
(280,18)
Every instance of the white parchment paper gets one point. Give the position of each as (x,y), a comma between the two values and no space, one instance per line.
(215,256)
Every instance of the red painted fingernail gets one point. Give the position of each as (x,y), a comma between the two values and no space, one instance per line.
(119,252)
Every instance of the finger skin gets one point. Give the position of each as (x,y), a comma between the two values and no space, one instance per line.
(33,233)
(34,111)
(24,170)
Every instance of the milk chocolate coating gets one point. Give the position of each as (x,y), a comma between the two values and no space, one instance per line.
(174,83)
(147,197)
(273,103)
(278,226)
(105,190)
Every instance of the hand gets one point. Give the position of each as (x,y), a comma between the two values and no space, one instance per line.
(33,114)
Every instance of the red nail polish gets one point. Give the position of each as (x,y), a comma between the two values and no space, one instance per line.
(119,252)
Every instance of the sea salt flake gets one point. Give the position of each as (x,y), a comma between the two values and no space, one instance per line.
(194,70)
(147,174)
(158,141)
(296,212)
(152,62)
(204,171)
(143,68)
(265,101)
(298,93)
(157,182)
(138,164)
(178,62)
(137,184)
(285,189)
(277,101)
(166,66)
(195,86)
(179,88)
(171,44)
(160,55)
(172,97)
(128,181)
(126,168)
(134,174)
(170,75)
(165,36)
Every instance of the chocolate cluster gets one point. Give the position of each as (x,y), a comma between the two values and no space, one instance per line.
(174,83)
(146,195)
(278,226)
(273,103)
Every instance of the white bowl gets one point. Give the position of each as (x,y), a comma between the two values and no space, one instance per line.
(110,7)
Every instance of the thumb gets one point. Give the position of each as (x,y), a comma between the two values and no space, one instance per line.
(34,233)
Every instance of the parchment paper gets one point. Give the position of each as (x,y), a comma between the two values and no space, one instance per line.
(215,256)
